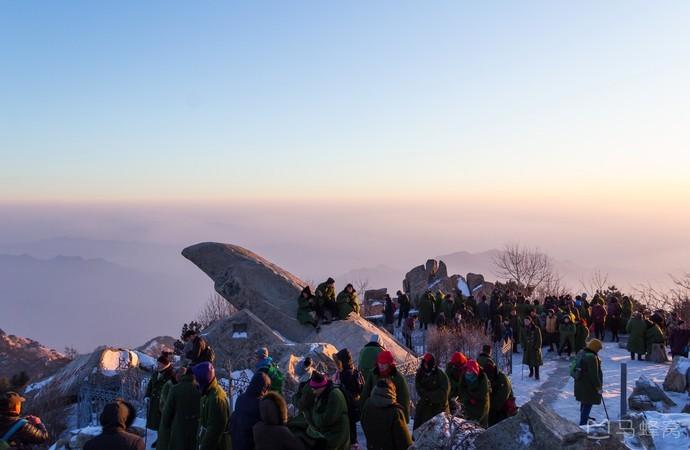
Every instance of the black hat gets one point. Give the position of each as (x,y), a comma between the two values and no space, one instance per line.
(330,280)
(164,358)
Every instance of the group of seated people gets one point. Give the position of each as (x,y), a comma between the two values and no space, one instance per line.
(323,306)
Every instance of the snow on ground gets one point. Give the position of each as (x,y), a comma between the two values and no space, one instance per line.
(523,386)
(38,385)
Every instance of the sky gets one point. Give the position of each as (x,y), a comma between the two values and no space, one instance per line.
(384,130)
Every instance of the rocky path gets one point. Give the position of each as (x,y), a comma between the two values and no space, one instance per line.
(552,388)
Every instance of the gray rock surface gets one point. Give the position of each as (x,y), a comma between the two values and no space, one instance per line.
(446,432)
(251,282)
(677,377)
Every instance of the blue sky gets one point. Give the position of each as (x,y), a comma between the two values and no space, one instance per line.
(148,101)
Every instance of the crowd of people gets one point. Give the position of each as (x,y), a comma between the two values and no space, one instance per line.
(189,409)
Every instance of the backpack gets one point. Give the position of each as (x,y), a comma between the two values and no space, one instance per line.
(5,439)
(575,369)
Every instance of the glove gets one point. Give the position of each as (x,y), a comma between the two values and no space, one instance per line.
(33,420)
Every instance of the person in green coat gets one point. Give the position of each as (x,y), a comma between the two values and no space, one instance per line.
(531,347)
(367,356)
(475,393)
(154,389)
(502,401)
(306,308)
(181,414)
(653,335)
(566,331)
(581,335)
(329,414)
(347,302)
(438,304)
(163,437)
(214,410)
(386,369)
(589,382)
(448,309)
(427,303)
(626,312)
(484,359)
(636,329)
(325,300)
(265,364)
(454,372)
(432,388)
(383,419)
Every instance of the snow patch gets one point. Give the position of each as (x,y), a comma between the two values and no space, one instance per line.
(526,437)
(38,385)
(239,335)
(114,361)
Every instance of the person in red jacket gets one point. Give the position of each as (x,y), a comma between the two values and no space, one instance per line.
(599,319)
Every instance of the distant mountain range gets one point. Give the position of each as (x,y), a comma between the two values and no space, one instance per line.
(20,354)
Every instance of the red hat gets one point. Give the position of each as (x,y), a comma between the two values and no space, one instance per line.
(471,366)
(428,357)
(458,359)
(385,357)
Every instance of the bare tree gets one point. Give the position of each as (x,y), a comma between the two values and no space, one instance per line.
(216,308)
(677,298)
(551,286)
(361,286)
(528,267)
(71,353)
(597,282)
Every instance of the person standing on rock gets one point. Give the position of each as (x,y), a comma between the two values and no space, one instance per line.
(265,364)
(367,356)
(386,369)
(347,302)
(306,308)
(531,345)
(214,410)
(404,306)
(426,309)
(329,414)
(589,380)
(388,314)
(181,413)
(433,390)
(475,393)
(25,431)
(247,412)
(383,419)
(636,328)
(325,300)
(164,372)
(484,314)
(196,349)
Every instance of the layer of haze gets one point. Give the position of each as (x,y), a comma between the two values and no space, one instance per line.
(331,137)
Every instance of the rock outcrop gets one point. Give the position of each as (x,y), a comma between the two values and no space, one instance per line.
(270,293)
(677,377)
(537,427)
(445,431)
(648,396)
(433,275)
(20,354)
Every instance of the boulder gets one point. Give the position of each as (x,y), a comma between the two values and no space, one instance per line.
(474,281)
(647,394)
(375,294)
(445,431)
(433,275)
(270,293)
(658,354)
(677,377)
(538,427)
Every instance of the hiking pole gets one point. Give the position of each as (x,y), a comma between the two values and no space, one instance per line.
(604,403)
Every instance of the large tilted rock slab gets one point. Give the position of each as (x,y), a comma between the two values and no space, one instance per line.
(538,427)
(251,282)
